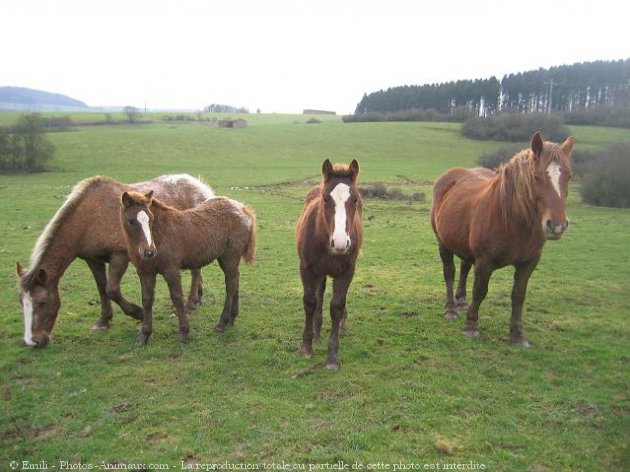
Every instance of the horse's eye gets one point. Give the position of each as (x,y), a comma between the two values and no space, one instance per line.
(131,221)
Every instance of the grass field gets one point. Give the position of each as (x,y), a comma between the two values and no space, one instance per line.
(412,390)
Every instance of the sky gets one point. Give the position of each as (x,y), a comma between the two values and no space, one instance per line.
(282,56)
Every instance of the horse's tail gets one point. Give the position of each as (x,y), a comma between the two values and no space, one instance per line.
(250,249)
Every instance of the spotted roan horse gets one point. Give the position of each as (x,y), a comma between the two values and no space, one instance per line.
(491,219)
(329,234)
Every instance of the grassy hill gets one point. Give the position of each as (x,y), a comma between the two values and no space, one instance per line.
(412,390)
(25,99)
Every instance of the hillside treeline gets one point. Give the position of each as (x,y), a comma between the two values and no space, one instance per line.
(563,89)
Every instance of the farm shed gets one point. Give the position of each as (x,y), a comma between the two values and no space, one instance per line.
(229,123)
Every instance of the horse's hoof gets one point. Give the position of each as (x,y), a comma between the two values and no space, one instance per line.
(471,333)
(182,337)
(219,328)
(520,342)
(100,326)
(461,304)
(142,339)
(451,315)
(334,366)
(307,351)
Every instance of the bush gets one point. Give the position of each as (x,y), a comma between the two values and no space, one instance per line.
(515,127)
(607,177)
(380,191)
(25,148)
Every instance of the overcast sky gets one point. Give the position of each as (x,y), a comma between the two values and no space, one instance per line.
(287,55)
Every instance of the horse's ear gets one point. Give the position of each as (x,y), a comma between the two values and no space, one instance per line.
(126,200)
(354,168)
(567,145)
(327,169)
(149,196)
(21,270)
(537,144)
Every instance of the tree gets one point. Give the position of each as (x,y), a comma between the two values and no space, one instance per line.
(132,113)
(25,147)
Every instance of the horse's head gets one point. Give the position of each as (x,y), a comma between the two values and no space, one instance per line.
(552,164)
(40,301)
(341,201)
(137,221)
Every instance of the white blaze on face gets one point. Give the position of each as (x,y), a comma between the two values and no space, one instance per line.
(27,305)
(143,219)
(340,238)
(554,175)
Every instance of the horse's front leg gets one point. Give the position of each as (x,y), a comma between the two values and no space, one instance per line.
(311,284)
(147,281)
(318,317)
(100,276)
(483,271)
(337,310)
(460,293)
(174,282)
(118,264)
(448,270)
(521,277)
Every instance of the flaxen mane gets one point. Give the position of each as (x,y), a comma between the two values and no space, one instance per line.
(45,239)
(517,179)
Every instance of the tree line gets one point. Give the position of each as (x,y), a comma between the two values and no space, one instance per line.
(564,89)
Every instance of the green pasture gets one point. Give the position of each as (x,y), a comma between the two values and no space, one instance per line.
(412,390)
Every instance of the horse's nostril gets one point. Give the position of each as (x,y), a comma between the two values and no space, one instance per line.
(549,225)
(149,253)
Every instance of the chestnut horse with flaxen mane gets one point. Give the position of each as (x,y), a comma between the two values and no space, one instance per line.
(87,226)
(164,240)
(494,219)
(329,234)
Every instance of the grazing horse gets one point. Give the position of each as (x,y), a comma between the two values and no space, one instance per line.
(87,226)
(163,240)
(491,219)
(329,234)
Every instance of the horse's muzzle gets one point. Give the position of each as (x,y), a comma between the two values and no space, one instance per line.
(554,230)
(40,340)
(148,253)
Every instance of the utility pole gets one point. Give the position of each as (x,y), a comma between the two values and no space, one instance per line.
(551,84)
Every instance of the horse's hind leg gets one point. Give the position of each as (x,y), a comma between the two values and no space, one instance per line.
(100,276)
(117,266)
(229,265)
(337,310)
(318,316)
(483,272)
(448,268)
(460,293)
(196,290)
(521,277)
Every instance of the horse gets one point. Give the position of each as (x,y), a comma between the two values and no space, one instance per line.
(163,240)
(491,219)
(87,226)
(329,234)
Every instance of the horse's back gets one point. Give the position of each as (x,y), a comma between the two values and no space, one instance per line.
(456,199)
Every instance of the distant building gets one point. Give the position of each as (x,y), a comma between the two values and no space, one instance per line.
(230,123)
(308,111)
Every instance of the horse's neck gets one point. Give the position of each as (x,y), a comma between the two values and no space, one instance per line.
(168,220)
(58,254)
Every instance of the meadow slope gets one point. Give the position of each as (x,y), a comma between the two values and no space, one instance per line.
(412,390)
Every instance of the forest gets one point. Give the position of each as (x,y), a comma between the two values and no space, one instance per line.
(562,89)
